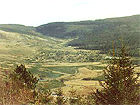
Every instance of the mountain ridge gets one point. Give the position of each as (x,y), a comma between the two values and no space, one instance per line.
(90,35)
(98,34)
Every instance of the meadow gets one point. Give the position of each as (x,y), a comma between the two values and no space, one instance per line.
(47,58)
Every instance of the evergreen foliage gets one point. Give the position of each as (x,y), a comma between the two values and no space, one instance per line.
(27,79)
(120,86)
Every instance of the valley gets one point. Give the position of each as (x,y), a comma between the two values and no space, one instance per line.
(47,58)
(58,58)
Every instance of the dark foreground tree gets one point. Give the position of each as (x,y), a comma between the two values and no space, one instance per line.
(120,86)
(19,88)
(24,76)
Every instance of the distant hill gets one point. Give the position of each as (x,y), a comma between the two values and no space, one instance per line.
(90,35)
(76,29)
(19,29)
(98,34)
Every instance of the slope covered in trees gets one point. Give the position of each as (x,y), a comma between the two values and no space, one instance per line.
(98,34)
(97,27)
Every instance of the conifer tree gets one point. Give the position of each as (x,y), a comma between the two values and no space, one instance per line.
(24,76)
(120,86)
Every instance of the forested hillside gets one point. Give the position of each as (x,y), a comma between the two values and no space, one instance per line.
(98,34)
(82,28)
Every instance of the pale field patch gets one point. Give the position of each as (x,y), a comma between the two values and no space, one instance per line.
(82,86)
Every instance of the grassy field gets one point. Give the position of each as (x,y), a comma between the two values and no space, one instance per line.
(64,69)
(47,58)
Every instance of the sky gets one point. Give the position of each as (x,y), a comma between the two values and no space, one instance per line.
(37,12)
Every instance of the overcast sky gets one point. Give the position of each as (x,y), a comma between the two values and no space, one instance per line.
(37,12)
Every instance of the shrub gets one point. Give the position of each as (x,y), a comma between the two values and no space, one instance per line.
(14,93)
